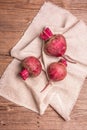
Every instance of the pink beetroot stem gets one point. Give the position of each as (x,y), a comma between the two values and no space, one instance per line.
(46,34)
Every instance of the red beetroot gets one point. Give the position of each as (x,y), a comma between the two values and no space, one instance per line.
(31,67)
(56,71)
(55,45)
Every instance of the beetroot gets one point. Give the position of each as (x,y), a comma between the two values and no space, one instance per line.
(55,45)
(56,71)
(31,67)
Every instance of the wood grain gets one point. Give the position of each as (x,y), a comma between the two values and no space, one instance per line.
(15,16)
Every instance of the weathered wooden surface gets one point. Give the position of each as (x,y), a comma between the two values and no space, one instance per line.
(14,19)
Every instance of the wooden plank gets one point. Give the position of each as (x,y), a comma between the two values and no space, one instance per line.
(8,40)
(14,19)
(4,61)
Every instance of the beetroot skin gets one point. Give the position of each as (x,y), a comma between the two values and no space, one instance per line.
(56,46)
(31,67)
(56,71)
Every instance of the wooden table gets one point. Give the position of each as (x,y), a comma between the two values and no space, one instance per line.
(14,19)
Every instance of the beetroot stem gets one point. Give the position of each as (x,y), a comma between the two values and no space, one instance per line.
(46,33)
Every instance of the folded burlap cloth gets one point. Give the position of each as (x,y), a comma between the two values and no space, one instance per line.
(60,95)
